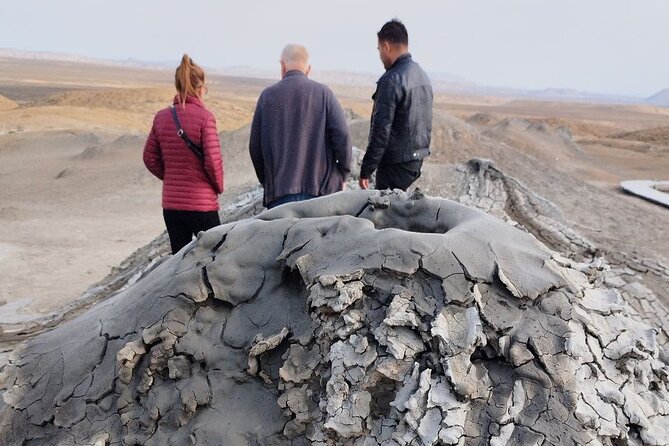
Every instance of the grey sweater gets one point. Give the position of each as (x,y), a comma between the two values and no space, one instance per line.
(300,141)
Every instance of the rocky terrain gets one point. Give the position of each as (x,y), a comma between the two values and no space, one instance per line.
(370,318)
(70,151)
(518,297)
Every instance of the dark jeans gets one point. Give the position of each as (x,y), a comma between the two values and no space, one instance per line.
(398,176)
(183,225)
(289,199)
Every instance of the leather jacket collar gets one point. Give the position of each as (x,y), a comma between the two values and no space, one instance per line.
(401,59)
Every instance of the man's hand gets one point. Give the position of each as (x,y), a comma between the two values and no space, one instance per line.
(364,183)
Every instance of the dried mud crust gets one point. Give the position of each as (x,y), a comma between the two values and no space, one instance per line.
(641,279)
(362,318)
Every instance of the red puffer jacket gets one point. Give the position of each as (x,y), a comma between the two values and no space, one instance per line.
(187,186)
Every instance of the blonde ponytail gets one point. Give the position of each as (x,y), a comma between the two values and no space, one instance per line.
(188,78)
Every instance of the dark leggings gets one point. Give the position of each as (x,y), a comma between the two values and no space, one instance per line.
(183,225)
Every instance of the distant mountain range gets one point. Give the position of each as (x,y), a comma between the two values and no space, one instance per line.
(661,98)
(442,82)
(64,57)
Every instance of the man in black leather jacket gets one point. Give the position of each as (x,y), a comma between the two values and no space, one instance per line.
(401,126)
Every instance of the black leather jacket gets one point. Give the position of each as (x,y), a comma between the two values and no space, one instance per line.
(401,125)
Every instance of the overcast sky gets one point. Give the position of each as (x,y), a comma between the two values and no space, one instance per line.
(602,46)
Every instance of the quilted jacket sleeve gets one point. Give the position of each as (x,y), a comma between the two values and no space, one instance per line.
(213,160)
(153,158)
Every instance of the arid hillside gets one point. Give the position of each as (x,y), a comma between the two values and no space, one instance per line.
(76,199)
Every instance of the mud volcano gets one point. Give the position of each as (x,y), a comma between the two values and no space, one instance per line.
(361,319)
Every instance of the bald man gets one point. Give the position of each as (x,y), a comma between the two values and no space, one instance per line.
(300,143)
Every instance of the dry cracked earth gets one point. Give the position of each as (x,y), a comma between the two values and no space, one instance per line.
(362,318)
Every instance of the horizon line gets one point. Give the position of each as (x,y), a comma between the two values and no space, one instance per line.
(468,86)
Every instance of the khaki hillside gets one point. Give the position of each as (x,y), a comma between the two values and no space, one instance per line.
(517,284)
(73,181)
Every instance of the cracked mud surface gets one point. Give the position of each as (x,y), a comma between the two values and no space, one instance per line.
(361,318)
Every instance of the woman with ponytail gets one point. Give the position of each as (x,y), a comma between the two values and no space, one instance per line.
(183,150)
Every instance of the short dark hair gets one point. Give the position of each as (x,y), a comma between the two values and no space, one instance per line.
(394,32)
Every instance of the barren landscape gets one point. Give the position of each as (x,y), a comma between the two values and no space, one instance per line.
(515,296)
(76,199)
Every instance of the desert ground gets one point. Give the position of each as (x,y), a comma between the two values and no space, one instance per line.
(75,198)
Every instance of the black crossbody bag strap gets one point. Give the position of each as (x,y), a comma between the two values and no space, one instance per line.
(197,150)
